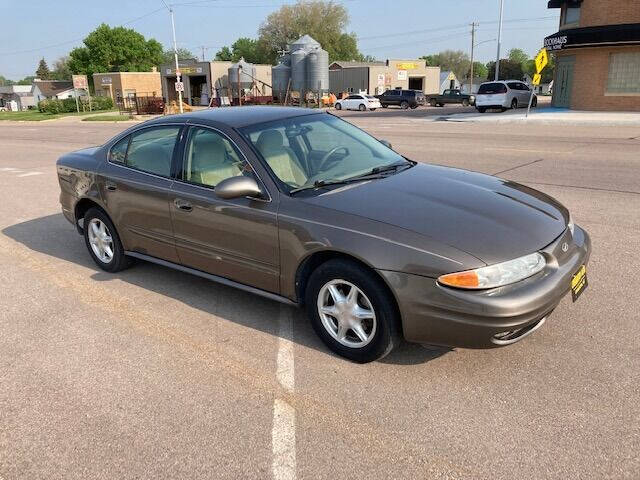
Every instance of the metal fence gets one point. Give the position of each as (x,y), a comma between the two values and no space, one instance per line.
(141,104)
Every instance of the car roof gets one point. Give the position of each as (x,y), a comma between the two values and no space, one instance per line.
(236,117)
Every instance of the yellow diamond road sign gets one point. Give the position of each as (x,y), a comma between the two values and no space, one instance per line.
(541,60)
(536,79)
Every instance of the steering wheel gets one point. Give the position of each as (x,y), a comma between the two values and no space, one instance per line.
(329,154)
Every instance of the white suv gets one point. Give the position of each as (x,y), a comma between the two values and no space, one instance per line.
(504,94)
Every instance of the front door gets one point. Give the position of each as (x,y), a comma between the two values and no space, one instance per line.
(236,239)
(564,81)
(135,184)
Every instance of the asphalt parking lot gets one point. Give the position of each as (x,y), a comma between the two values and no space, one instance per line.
(153,373)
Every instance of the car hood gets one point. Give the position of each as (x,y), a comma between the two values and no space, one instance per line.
(490,218)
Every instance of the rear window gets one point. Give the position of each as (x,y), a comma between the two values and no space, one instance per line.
(489,88)
(409,93)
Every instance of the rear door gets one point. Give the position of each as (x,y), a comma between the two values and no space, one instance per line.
(135,184)
(237,238)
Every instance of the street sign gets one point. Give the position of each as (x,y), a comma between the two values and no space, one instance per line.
(541,60)
(536,79)
(80,81)
(179,86)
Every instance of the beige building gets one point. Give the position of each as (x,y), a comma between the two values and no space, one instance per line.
(376,77)
(597,49)
(127,84)
(202,80)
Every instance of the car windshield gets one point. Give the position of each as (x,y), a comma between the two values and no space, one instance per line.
(315,149)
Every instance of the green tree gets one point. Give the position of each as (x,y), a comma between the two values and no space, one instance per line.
(115,49)
(325,21)
(509,70)
(455,60)
(224,54)
(183,54)
(518,55)
(5,82)
(43,72)
(61,69)
(28,80)
(480,70)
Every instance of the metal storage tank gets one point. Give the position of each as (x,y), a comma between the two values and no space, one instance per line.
(298,70)
(280,75)
(318,70)
(247,72)
(305,42)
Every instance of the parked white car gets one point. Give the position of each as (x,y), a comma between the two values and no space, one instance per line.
(359,101)
(503,95)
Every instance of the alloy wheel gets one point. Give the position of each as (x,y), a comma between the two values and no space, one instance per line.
(100,240)
(346,313)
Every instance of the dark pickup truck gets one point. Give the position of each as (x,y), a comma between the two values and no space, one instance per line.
(451,96)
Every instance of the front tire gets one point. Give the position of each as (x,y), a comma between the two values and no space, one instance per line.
(103,242)
(352,311)
(465,103)
(432,102)
(404,105)
(384,105)
(514,104)
(534,102)
(481,109)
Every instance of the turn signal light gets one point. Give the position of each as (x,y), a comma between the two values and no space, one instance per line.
(461,280)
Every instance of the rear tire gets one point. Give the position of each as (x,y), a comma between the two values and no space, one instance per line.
(432,102)
(534,103)
(514,104)
(384,105)
(441,104)
(338,106)
(103,242)
(413,107)
(372,109)
(377,315)
(481,109)
(362,107)
(404,105)
(465,103)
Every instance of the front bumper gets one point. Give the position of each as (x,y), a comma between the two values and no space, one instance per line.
(434,314)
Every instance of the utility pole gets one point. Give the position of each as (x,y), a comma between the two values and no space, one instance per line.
(499,41)
(473,44)
(175,53)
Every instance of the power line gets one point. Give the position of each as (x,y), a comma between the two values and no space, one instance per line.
(46,47)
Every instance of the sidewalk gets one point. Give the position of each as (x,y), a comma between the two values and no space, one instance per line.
(549,116)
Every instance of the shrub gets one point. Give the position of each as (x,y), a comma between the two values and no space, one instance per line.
(51,106)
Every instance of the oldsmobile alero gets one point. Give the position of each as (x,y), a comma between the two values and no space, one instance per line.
(305,208)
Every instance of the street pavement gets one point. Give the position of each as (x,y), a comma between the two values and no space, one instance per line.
(153,373)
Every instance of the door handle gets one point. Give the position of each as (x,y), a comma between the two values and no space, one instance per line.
(110,186)
(183,205)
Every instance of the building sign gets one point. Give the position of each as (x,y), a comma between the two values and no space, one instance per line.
(381,79)
(387,79)
(106,81)
(184,70)
(80,81)
(402,74)
(609,35)
(406,66)
(555,43)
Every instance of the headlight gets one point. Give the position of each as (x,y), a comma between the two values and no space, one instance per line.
(496,275)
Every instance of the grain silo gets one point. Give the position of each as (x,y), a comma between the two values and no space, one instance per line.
(243,73)
(280,76)
(299,70)
(318,70)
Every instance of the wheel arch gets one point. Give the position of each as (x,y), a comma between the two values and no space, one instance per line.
(312,261)
(82,206)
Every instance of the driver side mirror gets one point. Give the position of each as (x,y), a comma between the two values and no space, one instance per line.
(386,143)
(236,187)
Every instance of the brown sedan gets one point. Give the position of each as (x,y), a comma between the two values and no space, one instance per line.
(304,208)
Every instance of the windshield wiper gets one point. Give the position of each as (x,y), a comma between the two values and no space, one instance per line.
(371,174)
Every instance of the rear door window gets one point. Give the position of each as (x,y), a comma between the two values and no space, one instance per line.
(151,150)
(118,152)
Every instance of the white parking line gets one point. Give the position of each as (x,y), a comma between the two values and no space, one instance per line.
(9,169)
(283,432)
(30,174)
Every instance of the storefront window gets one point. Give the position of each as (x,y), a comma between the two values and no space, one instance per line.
(624,73)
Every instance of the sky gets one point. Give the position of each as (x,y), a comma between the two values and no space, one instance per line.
(386,29)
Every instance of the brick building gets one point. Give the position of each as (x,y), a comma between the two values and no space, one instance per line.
(127,84)
(597,49)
